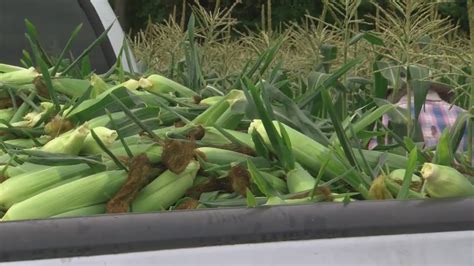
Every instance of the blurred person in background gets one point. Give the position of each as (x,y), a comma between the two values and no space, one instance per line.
(436,114)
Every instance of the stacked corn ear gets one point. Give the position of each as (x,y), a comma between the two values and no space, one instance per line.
(444,181)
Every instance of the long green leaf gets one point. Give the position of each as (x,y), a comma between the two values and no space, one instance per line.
(260,181)
(330,80)
(101,38)
(343,140)
(410,169)
(106,150)
(444,155)
(66,49)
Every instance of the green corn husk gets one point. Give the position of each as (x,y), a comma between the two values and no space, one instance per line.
(159,84)
(395,188)
(87,191)
(26,185)
(212,136)
(6,114)
(91,108)
(398,175)
(106,136)
(32,118)
(71,87)
(152,151)
(98,85)
(27,143)
(5,68)
(393,161)
(311,154)
(19,77)
(165,190)
(12,171)
(221,156)
(299,180)
(84,211)
(276,182)
(275,201)
(68,143)
(234,114)
(211,100)
(218,110)
(131,84)
(378,190)
(444,181)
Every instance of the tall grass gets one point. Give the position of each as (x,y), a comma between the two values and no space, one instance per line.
(412,32)
(303,58)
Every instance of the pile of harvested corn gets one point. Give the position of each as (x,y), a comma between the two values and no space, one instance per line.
(75,147)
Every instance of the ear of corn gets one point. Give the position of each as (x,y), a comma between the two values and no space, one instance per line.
(310,154)
(32,118)
(27,143)
(98,85)
(378,189)
(87,191)
(71,87)
(161,194)
(68,143)
(211,100)
(160,84)
(393,161)
(221,156)
(6,114)
(152,151)
(444,181)
(84,211)
(299,180)
(279,184)
(212,136)
(219,109)
(106,136)
(19,77)
(398,175)
(131,84)
(5,68)
(12,171)
(394,189)
(24,186)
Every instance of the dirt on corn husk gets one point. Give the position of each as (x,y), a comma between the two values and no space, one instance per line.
(179,124)
(323,191)
(212,184)
(188,204)
(57,126)
(177,154)
(196,133)
(139,175)
(239,179)
(378,190)
(238,148)
(8,102)
(41,88)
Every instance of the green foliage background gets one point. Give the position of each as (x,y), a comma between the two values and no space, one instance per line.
(248,11)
